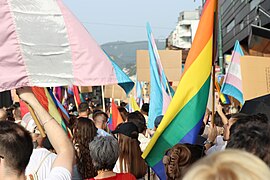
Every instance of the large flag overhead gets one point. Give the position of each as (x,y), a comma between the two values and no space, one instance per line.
(232,84)
(43,44)
(183,118)
(160,97)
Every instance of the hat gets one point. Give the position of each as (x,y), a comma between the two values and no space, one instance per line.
(29,124)
(129,129)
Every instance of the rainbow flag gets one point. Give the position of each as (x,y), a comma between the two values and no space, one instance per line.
(45,99)
(116,117)
(232,84)
(77,96)
(182,121)
(160,97)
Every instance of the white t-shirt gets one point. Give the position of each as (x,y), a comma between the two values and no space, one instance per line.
(35,164)
(59,173)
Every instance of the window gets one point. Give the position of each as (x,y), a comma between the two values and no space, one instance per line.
(230,26)
(254,4)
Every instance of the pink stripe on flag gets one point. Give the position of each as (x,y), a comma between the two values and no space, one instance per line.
(234,81)
(13,71)
(166,100)
(84,47)
(236,57)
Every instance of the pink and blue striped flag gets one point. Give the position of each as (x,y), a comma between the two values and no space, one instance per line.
(160,97)
(232,84)
(43,44)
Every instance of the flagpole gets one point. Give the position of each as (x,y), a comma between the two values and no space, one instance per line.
(167,84)
(103,99)
(214,53)
(34,116)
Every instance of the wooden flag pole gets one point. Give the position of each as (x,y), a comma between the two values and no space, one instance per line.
(103,99)
(34,116)
(213,96)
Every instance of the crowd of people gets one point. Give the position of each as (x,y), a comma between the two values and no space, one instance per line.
(235,146)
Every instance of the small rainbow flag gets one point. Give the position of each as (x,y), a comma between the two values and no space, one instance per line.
(45,99)
(116,117)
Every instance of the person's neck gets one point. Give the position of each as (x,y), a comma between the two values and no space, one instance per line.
(105,174)
(83,114)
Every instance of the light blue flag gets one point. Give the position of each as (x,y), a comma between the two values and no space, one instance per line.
(160,91)
(123,80)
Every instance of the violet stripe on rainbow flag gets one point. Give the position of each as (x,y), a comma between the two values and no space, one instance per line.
(232,84)
(182,121)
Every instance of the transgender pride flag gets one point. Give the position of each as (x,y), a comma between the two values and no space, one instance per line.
(43,44)
(160,97)
(232,84)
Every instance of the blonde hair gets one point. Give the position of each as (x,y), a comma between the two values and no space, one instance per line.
(229,165)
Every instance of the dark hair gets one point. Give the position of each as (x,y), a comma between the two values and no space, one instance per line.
(123,112)
(15,146)
(100,113)
(138,119)
(145,107)
(84,132)
(252,134)
(179,158)
(83,107)
(217,120)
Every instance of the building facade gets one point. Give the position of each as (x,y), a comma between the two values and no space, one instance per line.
(183,34)
(236,19)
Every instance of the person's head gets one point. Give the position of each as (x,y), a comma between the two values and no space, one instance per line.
(145,108)
(158,121)
(229,165)
(178,159)
(130,153)
(84,109)
(138,119)
(100,119)
(104,151)
(3,114)
(17,113)
(15,149)
(29,124)
(252,134)
(123,113)
(84,132)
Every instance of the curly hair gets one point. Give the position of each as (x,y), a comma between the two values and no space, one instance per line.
(84,132)
(178,159)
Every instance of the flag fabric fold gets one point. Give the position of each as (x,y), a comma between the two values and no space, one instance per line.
(182,121)
(46,100)
(159,87)
(133,106)
(116,117)
(232,84)
(123,80)
(57,51)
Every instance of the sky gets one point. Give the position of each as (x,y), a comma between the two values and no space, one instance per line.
(125,20)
